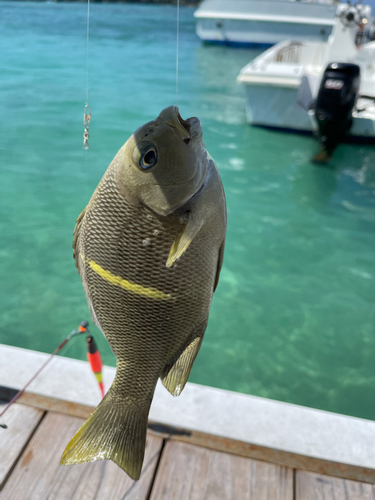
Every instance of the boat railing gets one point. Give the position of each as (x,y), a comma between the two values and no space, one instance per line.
(290,53)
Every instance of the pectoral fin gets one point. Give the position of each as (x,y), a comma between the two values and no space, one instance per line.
(177,374)
(183,240)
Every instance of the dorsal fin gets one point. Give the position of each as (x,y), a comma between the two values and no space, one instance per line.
(76,234)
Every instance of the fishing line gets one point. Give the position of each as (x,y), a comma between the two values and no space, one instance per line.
(178,34)
(87,112)
(87,51)
(81,329)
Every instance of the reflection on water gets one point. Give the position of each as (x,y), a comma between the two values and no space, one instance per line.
(293,315)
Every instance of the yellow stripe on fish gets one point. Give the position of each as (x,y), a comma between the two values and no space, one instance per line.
(151,293)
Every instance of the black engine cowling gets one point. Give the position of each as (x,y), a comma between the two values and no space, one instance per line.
(335,102)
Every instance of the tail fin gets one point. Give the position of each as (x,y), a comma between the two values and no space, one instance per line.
(115,431)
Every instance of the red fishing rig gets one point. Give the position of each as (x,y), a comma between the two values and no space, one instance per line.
(95,360)
(93,356)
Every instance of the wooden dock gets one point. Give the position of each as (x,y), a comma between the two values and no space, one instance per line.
(36,434)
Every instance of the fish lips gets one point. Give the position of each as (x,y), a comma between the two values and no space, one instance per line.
(188,129)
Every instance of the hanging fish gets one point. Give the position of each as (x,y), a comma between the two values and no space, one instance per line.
(149,248)
(95,360)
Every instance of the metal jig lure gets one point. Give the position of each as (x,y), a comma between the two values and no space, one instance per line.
(86,123)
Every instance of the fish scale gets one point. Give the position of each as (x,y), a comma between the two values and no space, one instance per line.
(149,253)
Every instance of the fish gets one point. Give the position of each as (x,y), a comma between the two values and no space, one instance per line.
(149,248)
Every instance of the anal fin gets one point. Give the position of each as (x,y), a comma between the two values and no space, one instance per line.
(176,375)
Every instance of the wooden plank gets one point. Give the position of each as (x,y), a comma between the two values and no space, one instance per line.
(310,486)
(38,475)
(220,443)
(20,422)
(56,405)
(188,472)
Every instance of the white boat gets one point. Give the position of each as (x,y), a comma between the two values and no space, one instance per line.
(294,74)
(264,22)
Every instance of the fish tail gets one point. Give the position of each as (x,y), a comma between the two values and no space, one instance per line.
(115,431)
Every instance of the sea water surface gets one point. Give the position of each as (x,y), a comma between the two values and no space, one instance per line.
(293,316)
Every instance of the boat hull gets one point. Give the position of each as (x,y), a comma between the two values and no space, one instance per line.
(268,106)
(242,33)
(264,23)
(276,108)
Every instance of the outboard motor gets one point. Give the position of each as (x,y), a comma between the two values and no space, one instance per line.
(334,105)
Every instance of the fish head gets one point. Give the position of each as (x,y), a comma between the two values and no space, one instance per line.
(165,161)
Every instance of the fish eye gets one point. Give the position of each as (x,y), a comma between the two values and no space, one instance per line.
(145,156)
(148,158)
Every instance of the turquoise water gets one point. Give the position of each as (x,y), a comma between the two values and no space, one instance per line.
(293,317)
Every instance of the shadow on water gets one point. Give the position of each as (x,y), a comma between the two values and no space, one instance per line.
(348,179)
(314,186)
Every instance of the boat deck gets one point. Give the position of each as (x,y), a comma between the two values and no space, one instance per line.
(33,439)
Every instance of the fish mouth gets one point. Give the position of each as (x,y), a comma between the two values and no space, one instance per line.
(189,128)
(192,125)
